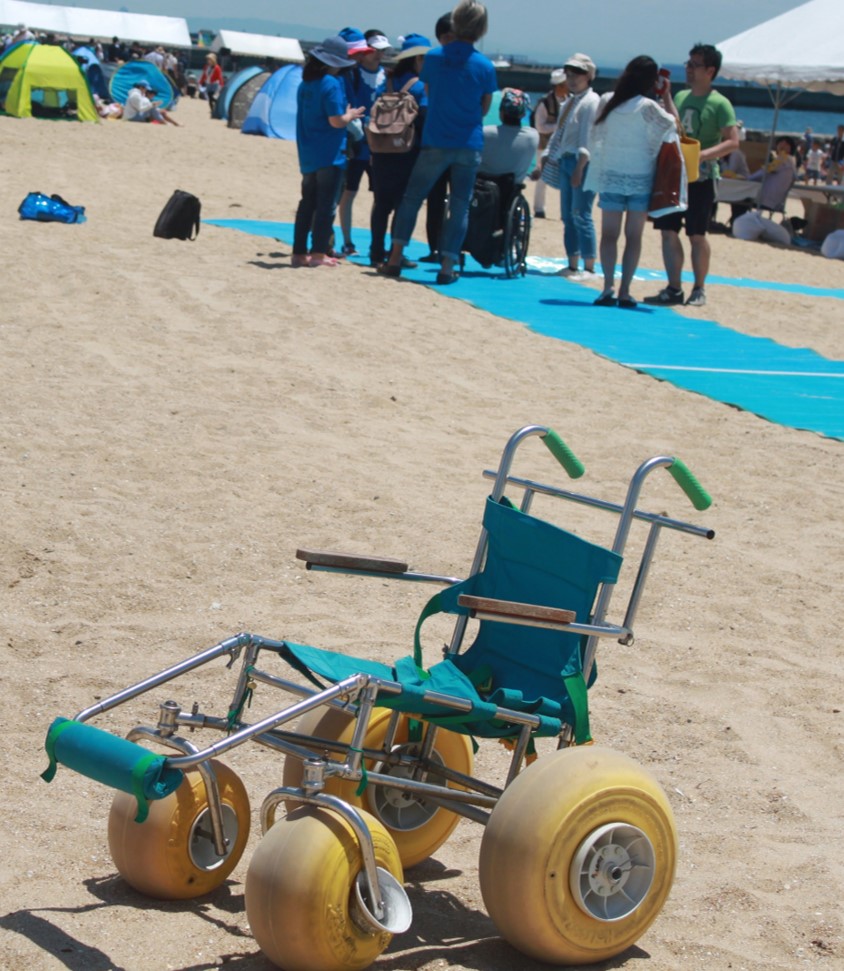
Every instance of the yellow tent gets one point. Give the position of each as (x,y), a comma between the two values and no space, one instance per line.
(47,75)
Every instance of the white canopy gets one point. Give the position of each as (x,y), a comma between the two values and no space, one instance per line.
(259,45)
(802,48)
(105,24)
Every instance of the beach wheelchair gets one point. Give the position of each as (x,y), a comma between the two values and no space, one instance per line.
(498,232)
(579,846)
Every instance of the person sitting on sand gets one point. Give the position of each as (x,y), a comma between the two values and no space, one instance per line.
(140,107)
(321,119)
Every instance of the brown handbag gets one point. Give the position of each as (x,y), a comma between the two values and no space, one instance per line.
(666,195)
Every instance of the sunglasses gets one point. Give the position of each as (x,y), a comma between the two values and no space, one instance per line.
(695,64)
(576,71)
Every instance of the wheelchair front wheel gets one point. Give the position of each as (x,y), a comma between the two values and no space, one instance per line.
(418,826)
(516,237)
(171,855)
(299,890)
(578,857)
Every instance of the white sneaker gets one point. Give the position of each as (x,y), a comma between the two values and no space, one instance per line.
(697,298)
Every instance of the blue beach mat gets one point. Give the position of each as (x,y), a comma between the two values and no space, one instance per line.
(794,387)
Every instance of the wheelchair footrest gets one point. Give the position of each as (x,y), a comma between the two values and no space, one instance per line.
(113,761)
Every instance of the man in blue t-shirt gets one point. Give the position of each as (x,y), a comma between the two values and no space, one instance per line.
(460,82)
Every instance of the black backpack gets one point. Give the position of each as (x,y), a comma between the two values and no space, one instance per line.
(179,219)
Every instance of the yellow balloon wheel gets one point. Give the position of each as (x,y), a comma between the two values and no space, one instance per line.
(171,854)
(299,889)
(419,827)
(578,857)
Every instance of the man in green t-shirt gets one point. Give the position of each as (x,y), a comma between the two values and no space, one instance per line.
(709,117)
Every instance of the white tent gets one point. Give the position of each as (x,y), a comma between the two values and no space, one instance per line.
(105,24)
(802,48)
(259,45)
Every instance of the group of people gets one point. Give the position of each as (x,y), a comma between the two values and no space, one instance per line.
(822,161)
(452,86)
(589,146)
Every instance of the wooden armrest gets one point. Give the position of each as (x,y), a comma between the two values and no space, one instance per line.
(511,609)
(350,561)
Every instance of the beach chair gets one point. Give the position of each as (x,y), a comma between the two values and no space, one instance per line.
(579,846)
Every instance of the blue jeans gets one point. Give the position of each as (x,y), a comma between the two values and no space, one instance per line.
(462,166)
(320,191)
(576,212)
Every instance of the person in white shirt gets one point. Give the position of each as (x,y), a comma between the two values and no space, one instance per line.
(510,148)
(139,106)
(569,147)
(545,117)
(625,141)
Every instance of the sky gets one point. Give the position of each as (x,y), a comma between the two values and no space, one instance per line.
(547,31)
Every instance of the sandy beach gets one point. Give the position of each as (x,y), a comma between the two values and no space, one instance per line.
(179,417)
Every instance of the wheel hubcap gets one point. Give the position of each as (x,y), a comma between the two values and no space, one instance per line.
(396,808)
(201,844)
(612,871)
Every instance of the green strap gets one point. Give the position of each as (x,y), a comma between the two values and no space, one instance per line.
(364,776)
(50,745)
(433,606)
(138,771)
(576,688)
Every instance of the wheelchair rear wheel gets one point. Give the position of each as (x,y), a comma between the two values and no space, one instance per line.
(578,857)
(299,890)
(418,826)
(516,237)
(171,854)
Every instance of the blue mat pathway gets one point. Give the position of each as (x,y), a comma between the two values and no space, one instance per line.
(794,387)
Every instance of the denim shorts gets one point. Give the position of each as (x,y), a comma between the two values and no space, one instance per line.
(619,202)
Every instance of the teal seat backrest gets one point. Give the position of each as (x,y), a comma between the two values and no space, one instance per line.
(530,561)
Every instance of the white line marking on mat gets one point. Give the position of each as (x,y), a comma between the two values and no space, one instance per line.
(725,370)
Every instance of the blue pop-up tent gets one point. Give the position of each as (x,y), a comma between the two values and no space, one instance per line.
(273,112)
(93,70)
(126,77)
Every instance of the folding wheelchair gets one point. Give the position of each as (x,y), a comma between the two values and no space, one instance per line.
(579,844)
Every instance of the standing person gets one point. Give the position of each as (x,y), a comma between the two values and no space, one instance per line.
(569,146)
(709,117)
(835,158)
(391,170)
(211,80)
(460,83)
(366,50)
(435,203)
(814,163)
(546,114)
(321,118)
(629,130)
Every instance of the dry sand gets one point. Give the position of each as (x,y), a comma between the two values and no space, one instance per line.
(179,417)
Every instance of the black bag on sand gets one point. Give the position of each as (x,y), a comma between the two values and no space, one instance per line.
(179,219)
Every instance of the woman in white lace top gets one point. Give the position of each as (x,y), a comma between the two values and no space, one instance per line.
(629,129)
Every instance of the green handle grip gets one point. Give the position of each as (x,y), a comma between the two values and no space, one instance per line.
(699,497)
(563,454)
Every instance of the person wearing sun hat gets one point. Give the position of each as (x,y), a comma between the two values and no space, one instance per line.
(509,148)
(362,81)
(140,106)
(391,170)
(322,115)
(568,147)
